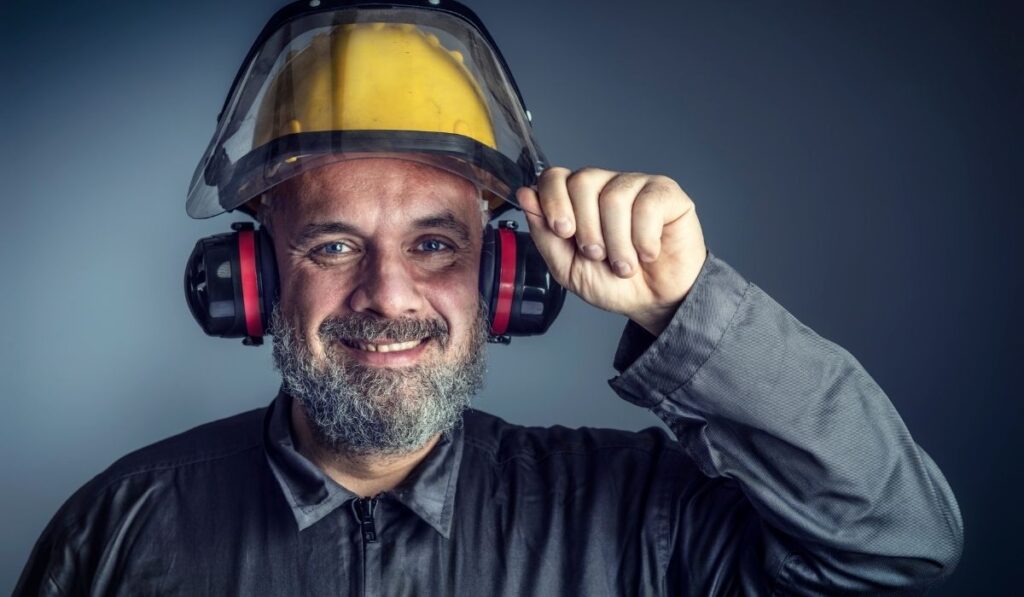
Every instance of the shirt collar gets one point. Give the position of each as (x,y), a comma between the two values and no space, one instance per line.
(429,490)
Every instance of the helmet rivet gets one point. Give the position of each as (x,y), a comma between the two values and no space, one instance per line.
(434,2)
(314,3)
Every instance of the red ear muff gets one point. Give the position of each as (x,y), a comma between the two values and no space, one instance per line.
(507,268)
(522,296)
(250,286)
(231,284)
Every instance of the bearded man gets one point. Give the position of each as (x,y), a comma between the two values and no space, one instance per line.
(375,144)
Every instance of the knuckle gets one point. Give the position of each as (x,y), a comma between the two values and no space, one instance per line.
(657,190)
(648,202)
(589,171)
(684,200)
(623,189)
(623,181)
(672,191)
(615,197)
(584,177)
(554,172)
(575,185)
(663,180)
(613,200)
(656,194)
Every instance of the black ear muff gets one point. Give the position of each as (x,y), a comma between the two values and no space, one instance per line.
(231,283)
(522,296)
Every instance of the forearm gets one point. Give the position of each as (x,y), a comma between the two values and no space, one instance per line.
(755,396)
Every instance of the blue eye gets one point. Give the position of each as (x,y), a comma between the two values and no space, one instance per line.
(334,248)
(433,245)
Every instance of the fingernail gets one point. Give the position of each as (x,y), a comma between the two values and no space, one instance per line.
(562,227)
(595,252)
(621,267)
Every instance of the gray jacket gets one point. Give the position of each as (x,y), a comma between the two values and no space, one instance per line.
(792,474)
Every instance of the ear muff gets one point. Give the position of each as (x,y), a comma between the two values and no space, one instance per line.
(231,284)
(522,296)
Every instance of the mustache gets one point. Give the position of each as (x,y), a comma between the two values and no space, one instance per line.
(369,328)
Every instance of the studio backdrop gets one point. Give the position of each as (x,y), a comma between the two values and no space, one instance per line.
(859,161)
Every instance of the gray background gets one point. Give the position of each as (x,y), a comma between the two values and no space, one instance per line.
(861,162)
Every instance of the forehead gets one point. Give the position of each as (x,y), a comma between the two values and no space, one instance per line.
(374,192)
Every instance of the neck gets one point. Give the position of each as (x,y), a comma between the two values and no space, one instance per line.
(363,474)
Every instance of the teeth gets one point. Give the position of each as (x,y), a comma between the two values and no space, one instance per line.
(386,347)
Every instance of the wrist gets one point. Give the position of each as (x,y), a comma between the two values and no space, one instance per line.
(655,320)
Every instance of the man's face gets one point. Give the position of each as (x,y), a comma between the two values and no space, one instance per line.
(379,331)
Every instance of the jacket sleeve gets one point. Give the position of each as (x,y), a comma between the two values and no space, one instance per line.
(813,484)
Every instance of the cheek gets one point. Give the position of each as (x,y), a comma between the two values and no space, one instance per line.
(308,297)
(456,299)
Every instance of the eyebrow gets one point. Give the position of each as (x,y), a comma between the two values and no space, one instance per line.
(313,231)
(445,220)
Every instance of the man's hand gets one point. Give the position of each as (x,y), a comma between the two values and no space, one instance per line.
(624,242)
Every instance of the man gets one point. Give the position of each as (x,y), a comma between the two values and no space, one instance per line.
(368,142)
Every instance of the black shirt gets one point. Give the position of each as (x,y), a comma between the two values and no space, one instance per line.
(790,472)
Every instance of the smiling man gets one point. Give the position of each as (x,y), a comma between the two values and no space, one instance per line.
(375,144)
(380,330)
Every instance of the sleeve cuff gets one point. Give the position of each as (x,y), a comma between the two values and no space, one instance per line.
(653,367)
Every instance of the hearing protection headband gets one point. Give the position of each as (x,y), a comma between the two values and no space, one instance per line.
(231,284)
(437,86)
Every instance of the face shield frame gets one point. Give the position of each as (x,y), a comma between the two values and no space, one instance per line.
(229,179)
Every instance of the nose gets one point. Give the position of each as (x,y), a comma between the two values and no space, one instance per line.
(386,287)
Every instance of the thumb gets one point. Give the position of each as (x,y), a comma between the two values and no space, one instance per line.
(557,252)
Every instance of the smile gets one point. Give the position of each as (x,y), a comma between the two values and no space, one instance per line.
(396,347)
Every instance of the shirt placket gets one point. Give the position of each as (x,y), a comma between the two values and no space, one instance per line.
(365,512)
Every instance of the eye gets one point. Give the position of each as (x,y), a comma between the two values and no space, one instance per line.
(332,249)
(433,245)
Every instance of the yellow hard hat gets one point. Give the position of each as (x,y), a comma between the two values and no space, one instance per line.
(374,76)
(325,83)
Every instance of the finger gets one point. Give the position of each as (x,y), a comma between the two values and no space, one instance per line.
(616,203)
(584,187)
(648,222)
(557,252)
(554,201)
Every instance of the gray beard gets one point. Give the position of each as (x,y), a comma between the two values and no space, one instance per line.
(357,409)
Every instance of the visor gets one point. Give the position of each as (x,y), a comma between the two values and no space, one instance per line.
(330,81)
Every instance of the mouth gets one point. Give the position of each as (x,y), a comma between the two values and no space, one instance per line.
(383,345)
(386,353)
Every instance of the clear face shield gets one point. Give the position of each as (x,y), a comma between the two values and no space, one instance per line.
(329,83)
